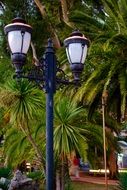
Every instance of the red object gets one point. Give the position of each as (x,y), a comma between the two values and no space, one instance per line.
(76,161)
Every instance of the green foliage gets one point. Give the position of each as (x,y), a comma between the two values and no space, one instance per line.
(68,186)
(23,105)
(67,133)
(38,175)
(21,99)
(108,43)
(123,181)
(5,175)
(105,70)
(5,172)
(16,147)
(4,185)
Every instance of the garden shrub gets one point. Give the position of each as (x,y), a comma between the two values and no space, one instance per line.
(122,181)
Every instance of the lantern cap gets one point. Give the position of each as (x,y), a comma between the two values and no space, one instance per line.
(76,32)
(76,37)
(18,24)
(19,20)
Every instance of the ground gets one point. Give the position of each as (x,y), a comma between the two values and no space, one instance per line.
(88,186)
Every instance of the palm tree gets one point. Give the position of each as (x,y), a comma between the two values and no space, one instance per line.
(67,133)
(23,104)
(107,59)
(72,133)
(107,56)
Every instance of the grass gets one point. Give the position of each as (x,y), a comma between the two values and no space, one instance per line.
(88,186)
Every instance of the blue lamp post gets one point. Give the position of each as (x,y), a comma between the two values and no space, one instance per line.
(19,38)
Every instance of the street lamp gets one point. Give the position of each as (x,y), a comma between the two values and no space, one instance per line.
(76,49)
(19,38)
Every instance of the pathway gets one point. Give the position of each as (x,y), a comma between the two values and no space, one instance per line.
(91,179)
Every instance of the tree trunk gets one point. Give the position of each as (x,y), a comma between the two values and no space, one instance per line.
(112,160)
(35,59)
(57,181)
(51,29)
(113,169)
(65,13)
(62,175)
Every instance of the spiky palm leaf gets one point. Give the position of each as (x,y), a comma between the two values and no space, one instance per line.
(107,54)
(67,132)
(16,147)
(23,104)
(21,99)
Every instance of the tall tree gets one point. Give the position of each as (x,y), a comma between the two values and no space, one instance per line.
(107,58)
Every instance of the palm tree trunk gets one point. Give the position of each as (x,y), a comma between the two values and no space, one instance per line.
(112,160)
(57,181)
(112,157)
(113,169)
(62,175)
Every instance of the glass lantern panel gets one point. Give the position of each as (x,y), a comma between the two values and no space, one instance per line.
(75,52)
(68,55)
(84,54)
(26,43)
(19,43)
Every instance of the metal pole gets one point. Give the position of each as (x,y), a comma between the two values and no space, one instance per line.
(104,142)
(50,74)
(49,141)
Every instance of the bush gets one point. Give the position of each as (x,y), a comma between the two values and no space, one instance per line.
(38,175)
(122,181)
(5,172)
